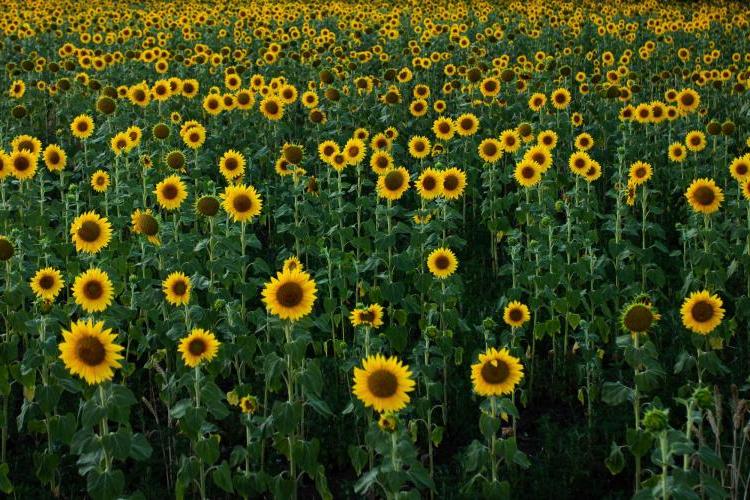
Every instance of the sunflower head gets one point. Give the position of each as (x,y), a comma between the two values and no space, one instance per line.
(430,184)
(704,196)
(242,202)
(249,405)
(6,249)
(92,290)
(393,184)
(497,373)
(639,316)
(198,347)
(442,262)
(89,351)
(516,314)
(47,283)
(383,383)
(371,316)
(290,294)
(702,312)
(90,232)
(177,288)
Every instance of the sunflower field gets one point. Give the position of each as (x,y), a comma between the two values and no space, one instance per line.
(375,249)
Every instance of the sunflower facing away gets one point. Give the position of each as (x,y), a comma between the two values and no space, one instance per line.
(90,351)
(92,290)
(442,262)
(201,345)
(704,196)
(177,288)
(47,283)
(371,316)
(516,314)
(702,312)
(496,373)
(242,202)
(383,383)
(90,232)
(290,294)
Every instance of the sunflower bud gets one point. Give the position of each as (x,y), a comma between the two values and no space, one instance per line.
(703,397)
(656,419)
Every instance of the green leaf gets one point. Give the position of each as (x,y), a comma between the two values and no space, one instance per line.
(615,462)
(105,485)
(488,425)
(207,449)
(5,485)
(615,393)
(222,476)
(710,458)
(140,449)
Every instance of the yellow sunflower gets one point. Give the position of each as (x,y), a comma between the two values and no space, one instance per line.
(547,138)
(527,173)
(82,126)
(676,152)
(47,283)
(419,147)
(704,196)
(739,169)
(490,150)
(381,162)
(371,316)
(541,155)
(695,141)
(232,164)
(90,232)
(497,373)
(177,288)
(560,98)
(454,182)
(100,181)
(327,150)
(579,162)
(466,125)
(201,345)
(354,151)
(55,158)
(92,290)
(23,164)
(272,108)
(383,383)
(242,202)
(640,172)
(290,294)
(443,128)
(510,141)
(430,184)
(516,314)
(442,262)
(688,100)
(171,192)
(702,312)
(27,142)
(292,263)
(89,351)
(393,184)
(144,222)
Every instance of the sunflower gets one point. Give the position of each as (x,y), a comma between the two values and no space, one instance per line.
(540,155)
(560,98)
(677,152)
(6,249)
(383,383)
(419,147)
(584,141)
(371,316)
(89,351)
(232,165)
(290,294)
(537,101)
(381,162)
(293,153)
(194,137)
(745,185)
(497,373)
(175,160)
(90,232)
(292,263)
(27,142)
(579,162)
(393,184)
(212,104)
(92,290)
(177,288)
(695,141)
(272,108)
(354,151)
(118,143)
(242,202)
(5,166)
(171,192)
(702,312)
(207,206)
(55,158)
(454,182)
(249,405)
(23,164)
(100,181)
(740,168)
(466,125)
(640,172)
(516,314)
(47,283)
(688,100)
(327,150)
(510,140)
(593,172)
(443,128)
(430,184)
(490,150)
(442,262)
(639,316)
(527,173)
(704,196)
(82,126)
(144,222)
(201,345)
(547,138)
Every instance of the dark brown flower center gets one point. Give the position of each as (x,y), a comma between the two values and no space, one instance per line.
(21,163)
(528,172)
(179,288)
(702,311)
(231,164)
(46,282)
(242,203)
(82,126)
(442,262)
(272,108)
(90,350)
(450,182)
(495,371)
(704,195)
(170,191)
(490,149)
(93,290)
(741,169)
(196,347)
(429,183)
(467,124)
(515,315)
(638,318)
(367,316)
(289,294)
(293,154)
(394,180)
(89,231)
(382,383)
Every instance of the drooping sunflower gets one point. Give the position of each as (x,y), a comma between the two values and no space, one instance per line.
(740,168)
(89,351)
(516,314)
(90,232)
(290,294)
(454,182)
(198,347)
(23,165)
(383,383)
(55,158)
(47,283)
(676,152)
(639,316)
(100,181)
(393,184)
(144,222)
(92,290)
(466,124)
(430,184)
(177,288)
(704,196)
(702,312)
(242,202)
(442,262)
(171,192)
(490,150)
(371,316)
(497,373)
(419,147)
(527,173)
(640,172)
(232,164)
(82,126)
